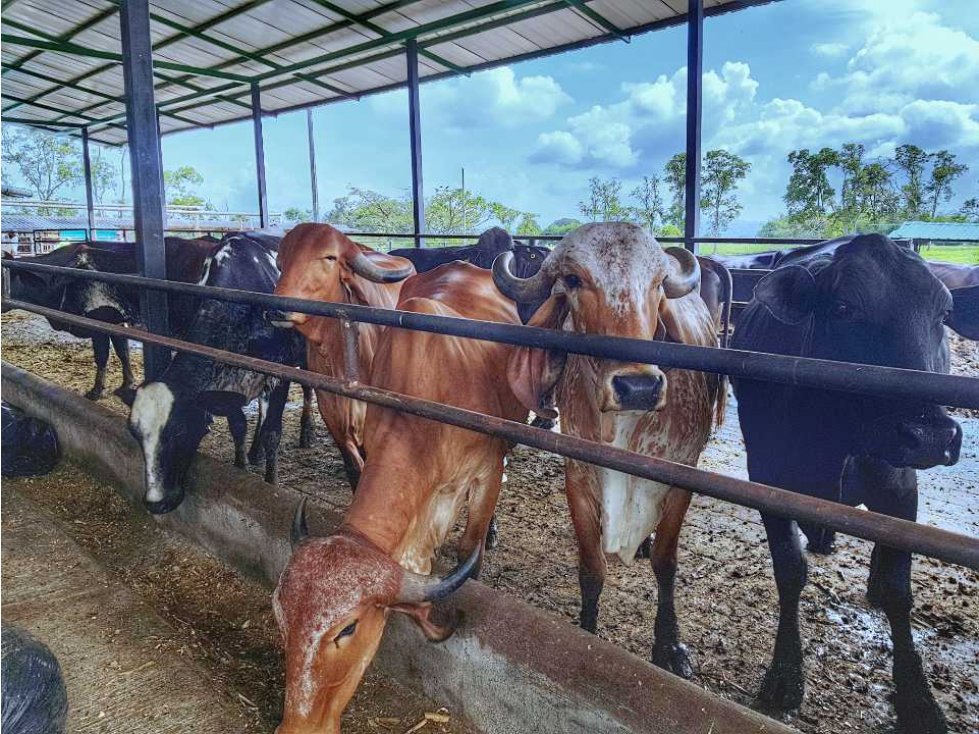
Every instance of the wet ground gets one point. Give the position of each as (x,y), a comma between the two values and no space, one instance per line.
(726,600)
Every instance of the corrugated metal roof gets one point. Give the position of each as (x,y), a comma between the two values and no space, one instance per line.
(938,231)
(56,71)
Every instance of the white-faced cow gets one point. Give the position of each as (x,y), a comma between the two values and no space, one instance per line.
(171,415)
(614,279)
(872,302)
(321,263)
(334,598)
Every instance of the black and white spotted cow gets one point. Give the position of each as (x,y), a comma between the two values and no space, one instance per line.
(171,416)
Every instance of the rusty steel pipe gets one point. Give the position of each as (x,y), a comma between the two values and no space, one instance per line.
(896,533)
(351,361)
(927,387)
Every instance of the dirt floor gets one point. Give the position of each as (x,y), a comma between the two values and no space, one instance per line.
(726,600)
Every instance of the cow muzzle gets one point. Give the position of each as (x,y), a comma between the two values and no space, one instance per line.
(284,319)
(928,444)
(643,389)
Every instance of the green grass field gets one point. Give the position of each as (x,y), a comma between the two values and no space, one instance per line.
(968,255)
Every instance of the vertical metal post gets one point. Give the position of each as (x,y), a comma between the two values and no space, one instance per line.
(415,132)
(89,197)
(695,72)
(312,165)
(263,201)
(147,172)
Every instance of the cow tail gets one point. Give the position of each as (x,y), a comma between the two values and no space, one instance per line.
(720,404)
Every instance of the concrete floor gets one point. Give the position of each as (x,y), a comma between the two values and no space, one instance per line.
(117,676)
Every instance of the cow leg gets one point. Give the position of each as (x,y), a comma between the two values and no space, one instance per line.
(256,454)
(121,346)
(668,652)
(272,430)
(306,433)
(480,519)
(239,428)
(100,348)
(784,685)
(353,463)
(895,492)
(587,519)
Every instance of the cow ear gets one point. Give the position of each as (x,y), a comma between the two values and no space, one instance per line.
(964,318)
(421,614)
(533,373)
(789,293)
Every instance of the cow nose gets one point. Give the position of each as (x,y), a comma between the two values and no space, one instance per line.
(637,392)
(929,445)
(282,319)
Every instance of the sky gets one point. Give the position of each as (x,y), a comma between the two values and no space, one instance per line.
(797,73)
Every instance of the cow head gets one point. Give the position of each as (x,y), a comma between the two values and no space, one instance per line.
(490,245)
(875,303)
(331,604)
(169,432)
(527,261)
(612,279)
(321,263)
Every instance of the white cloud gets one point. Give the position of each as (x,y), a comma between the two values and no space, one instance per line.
(493,98)
(829,50)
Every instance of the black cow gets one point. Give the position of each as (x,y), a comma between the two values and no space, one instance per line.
(490,244)
(527,260)
(757,261)
(716,288)
(101,301)
(870,302)
(171,416)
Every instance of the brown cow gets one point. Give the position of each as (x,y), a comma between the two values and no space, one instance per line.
(334,597)
(321,263)
(614,279)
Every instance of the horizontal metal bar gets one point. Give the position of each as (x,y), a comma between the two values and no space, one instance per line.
(927,387)
(893,532)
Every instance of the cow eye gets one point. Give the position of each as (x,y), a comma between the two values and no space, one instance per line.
(572,281)
(331,258)
(346,631)
(842,310)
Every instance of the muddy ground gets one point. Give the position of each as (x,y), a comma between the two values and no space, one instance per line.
(726,598)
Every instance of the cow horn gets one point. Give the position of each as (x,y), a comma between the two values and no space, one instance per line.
(366,268)
(522,290)
(300,531)
(416,587)
(684,275)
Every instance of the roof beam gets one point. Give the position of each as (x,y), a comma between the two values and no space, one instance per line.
(93,21)
(582,7)
(66,47)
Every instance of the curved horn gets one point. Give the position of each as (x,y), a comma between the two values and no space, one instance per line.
(522,290)
(300,531)
(685,276)
(416,587)
(366,268)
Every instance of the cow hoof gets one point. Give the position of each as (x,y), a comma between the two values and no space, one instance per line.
(919,716)
(492,535)
(645,550)
(256,457)
(674,658)
(125,394)
(819,540)
(546,424)
(93,394)
(781,691)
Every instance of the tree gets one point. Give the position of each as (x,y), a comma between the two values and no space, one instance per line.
(808,193)
(604,203)
(178,186)
(650,203)
(850,159)
(722,172)
(295,214)
(103,173)
(970,209)
(528,225)
(48,163)
(505,215)
(675,175)
(562,226)
(912,161)
(944,171)
(876,196)
(451,210)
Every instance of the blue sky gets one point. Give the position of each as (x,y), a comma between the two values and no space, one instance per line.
(798,73)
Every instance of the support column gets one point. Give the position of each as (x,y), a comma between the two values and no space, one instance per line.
(695,72)
(89,196)
(415,132)
(147,173)
(314,185)
(263,201)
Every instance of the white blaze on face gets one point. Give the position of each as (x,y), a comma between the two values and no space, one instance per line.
(151,411)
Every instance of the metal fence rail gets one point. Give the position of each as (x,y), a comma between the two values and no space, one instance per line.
(893,532)
(951,390)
